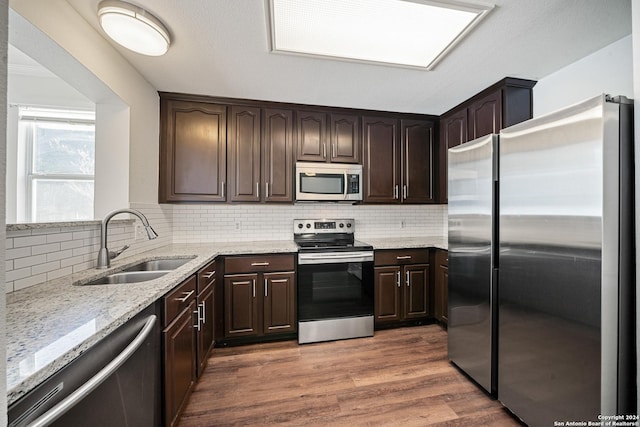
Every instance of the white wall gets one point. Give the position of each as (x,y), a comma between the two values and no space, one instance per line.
(60,22)
(4,22)
(608,70)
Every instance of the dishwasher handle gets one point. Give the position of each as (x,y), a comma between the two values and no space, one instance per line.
(75,397)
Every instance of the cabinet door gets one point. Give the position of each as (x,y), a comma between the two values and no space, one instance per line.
(416,291)
(279,302)
(205,311)
(381,160)
(344,138)
(179,363)
(453,132)
(441,286)
(241,305)
(244,154)
(311,141)
(485,116)
(417,161)
(277,155)
(387,283)
(192,152)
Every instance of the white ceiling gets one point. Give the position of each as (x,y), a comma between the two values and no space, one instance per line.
(221,48)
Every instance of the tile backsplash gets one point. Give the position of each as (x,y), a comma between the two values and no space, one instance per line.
(235,222)
(36,255)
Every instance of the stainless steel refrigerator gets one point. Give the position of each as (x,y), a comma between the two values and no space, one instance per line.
(541,263)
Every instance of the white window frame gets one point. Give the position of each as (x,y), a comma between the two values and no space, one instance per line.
(26,175)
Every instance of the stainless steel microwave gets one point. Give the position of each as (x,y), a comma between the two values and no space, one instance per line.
(333,182)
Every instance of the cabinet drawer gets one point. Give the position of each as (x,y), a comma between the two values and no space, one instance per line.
(178,299)
(401,256)
(258,263)
(206,276)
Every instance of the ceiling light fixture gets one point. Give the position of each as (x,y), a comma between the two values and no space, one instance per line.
(133,27)
(406,33)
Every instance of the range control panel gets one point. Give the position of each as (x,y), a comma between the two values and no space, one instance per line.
(316,226)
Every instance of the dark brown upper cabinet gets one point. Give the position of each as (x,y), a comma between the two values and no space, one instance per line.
(344,138)
(243,148)
(260,155)
(311,136)
(381,163)
(323,137)
(417,161)
(192,151)
(504,104)
(277,155)
(398,166)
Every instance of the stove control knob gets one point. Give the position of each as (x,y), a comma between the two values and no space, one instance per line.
(348,225)
(341,225)
(308,225)
(299,225)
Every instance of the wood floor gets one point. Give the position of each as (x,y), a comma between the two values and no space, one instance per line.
(399,377)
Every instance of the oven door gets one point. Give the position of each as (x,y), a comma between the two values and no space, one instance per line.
(335,285)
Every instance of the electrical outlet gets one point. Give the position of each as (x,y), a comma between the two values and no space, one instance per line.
(140,233)
(238,225)
(403,223)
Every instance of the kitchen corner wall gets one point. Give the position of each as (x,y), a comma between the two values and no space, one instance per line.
(36,255)
(237,222)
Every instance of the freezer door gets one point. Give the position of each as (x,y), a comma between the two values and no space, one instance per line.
(558,276)
(471,338)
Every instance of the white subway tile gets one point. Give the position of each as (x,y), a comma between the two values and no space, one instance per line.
(20,242)
(29,261)
(18,253)
(44,249)
(59,273)
(17,274)
(55,256)
(60,237)
(8,243)
(45,268)
(72,244)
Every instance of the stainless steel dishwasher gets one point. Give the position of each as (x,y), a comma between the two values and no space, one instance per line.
(115,383)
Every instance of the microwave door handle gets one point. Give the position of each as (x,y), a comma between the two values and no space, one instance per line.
(346,185)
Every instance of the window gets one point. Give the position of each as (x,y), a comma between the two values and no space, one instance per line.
(58,147)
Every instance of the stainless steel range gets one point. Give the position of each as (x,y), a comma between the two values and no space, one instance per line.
(335,281)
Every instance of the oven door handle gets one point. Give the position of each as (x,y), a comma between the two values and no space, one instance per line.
(335,257)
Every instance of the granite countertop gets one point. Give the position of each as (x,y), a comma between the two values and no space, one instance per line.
(439,242)
(49,325)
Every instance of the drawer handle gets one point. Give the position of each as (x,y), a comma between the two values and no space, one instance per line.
(186,296)
(398,278)
(209,275)
(259,264)
(403,257)
(204,312)
(254,288)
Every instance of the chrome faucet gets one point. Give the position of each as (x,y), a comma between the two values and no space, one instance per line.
(105,255)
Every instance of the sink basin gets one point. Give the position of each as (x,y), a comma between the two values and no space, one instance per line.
(128,277)
(164,264)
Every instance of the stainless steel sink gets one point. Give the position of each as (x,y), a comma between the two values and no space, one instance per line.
(164,264)
(128,277)
(142,271)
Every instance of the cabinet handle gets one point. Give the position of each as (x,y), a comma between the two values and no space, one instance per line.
(403,257)
(259,264)
(186,296)
(407,273)
(333,148)
(222,185)
(267,186)
(254,288)
(197,325)
(204,312)
(398,278)
(404,191)
(324,150)
(266,287)
(395,192)
(258,190)
(209,275)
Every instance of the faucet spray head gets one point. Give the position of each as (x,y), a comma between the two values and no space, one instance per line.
(151,234)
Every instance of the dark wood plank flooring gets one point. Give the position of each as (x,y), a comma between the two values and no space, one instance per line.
(399,377)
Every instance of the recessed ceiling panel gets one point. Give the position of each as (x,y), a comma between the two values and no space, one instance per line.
(395,32)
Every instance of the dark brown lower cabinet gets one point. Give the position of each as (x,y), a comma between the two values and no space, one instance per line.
(205,312)
(259,302)
(402,286)
(441,288)
(179,348)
